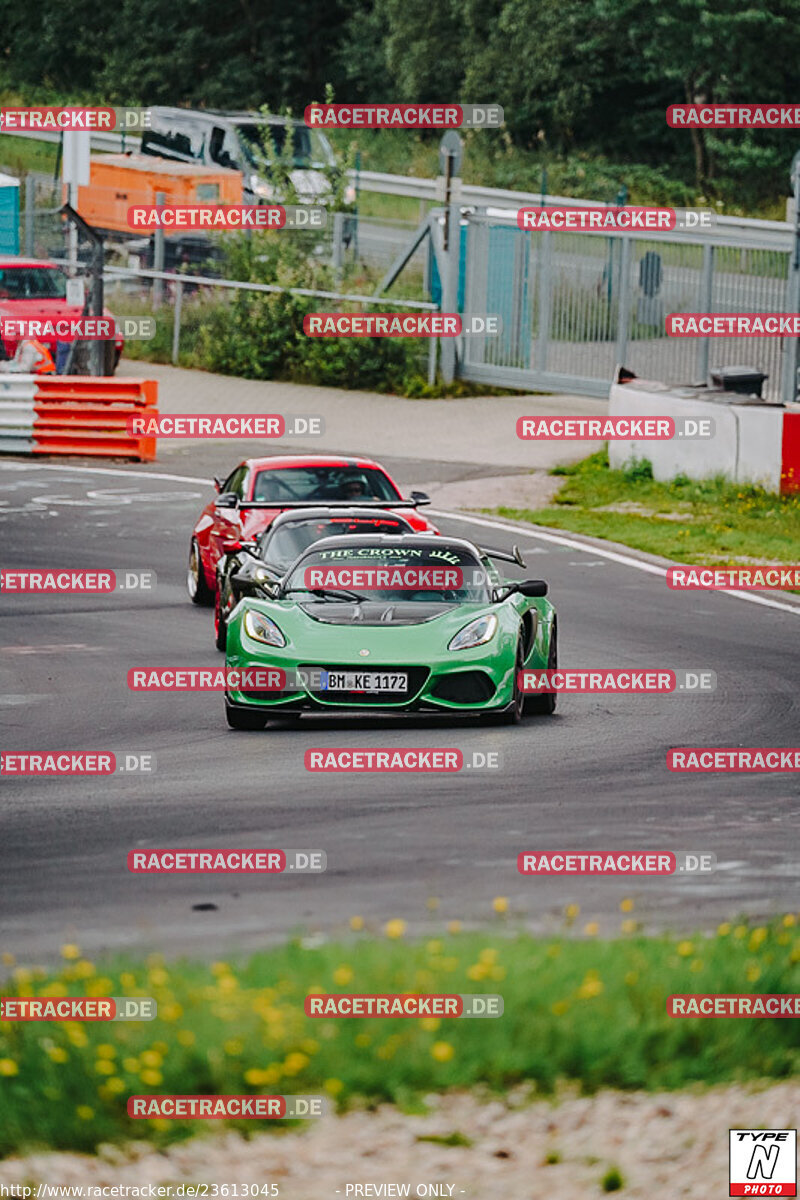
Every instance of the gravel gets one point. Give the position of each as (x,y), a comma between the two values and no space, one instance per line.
(673,1144)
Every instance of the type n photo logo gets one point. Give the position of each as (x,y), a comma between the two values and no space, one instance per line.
(763,1162)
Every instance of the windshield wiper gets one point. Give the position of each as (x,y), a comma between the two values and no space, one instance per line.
(326,593)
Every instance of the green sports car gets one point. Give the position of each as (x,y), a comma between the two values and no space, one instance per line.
(390,623)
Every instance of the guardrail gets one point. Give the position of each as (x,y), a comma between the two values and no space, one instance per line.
(75,414)
(745,232)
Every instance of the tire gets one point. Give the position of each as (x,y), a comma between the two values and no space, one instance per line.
(545,705)
(514,714)
(244,718)
(220,623)
(198,589)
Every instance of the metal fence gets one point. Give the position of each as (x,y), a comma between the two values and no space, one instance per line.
(575,305)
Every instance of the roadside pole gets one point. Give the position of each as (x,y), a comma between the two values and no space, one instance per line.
(790,357)
(75,174)
(450,153)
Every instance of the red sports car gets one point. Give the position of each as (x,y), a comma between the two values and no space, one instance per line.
(260,488)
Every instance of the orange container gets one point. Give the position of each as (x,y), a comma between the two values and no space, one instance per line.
(119,180)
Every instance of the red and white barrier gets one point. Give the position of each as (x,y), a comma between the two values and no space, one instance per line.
(752,443)
(75,414)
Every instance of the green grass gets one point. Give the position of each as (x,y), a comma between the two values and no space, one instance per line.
(489,160)
(21,155)
(576,1009)
(709,520)
(390,208)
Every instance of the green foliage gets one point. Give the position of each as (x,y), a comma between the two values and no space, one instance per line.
(587,81)
(576,1009)
(638,469)
(613,1180)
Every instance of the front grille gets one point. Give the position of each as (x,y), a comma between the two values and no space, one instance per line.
(464,687)
(417,678)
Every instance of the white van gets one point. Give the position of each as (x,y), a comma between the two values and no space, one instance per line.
(236,140)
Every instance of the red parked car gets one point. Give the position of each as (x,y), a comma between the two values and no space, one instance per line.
(35,289)
(260,488)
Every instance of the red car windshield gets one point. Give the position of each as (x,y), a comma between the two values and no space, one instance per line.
(32,283)
(324,483)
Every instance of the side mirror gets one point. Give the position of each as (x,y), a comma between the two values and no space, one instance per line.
(532,587)
(227,500)
(420,498)
(249,547)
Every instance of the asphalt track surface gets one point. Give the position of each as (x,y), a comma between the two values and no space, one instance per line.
(592,777)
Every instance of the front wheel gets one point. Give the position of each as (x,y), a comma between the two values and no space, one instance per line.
(196,586)
(545,704)
(244,718)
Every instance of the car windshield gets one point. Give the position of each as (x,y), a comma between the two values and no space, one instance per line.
(324,483)
(32,283)
(307,148)
(288,541)
(443,574)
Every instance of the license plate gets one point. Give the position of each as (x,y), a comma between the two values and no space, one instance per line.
(364,681)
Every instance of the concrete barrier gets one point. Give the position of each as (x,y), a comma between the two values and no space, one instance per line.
(752,443)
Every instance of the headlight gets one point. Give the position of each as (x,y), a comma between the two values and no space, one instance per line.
(349,194)
(262,629)
(260,574)
(479,631)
